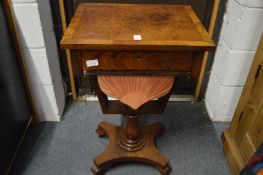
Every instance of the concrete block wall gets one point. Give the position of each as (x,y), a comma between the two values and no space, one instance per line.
(34,22)
(239,37)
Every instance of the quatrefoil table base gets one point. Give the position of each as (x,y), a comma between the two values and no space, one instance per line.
(130,144)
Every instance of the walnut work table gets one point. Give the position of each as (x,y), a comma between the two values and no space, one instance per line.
(134,39)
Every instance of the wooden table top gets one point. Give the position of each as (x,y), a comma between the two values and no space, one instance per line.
(106,26)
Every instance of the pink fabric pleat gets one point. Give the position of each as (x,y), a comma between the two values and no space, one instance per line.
(135,90)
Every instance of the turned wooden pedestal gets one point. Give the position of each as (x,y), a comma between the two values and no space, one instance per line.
(130,144)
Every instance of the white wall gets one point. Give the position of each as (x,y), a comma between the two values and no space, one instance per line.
(239,37)
(39,45)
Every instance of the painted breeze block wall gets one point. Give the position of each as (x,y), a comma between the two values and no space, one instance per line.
(34,22)
(239,38)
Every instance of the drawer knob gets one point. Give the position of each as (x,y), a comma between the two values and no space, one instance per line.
(138,58)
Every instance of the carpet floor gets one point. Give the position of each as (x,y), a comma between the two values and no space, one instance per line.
(191,143)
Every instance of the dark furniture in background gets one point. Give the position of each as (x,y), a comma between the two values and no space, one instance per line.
(16,104)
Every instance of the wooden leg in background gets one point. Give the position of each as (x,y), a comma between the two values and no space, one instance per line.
(130,144)
(70,71)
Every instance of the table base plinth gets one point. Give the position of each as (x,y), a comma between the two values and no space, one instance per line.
(115,153)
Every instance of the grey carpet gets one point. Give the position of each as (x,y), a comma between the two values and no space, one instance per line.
(220,127)
(67,148)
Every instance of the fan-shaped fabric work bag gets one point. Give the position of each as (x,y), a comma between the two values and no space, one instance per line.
(134,91)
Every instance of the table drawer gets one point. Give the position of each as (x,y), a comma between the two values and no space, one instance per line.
(136,61)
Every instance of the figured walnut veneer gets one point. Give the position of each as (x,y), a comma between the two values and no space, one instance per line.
(112,26)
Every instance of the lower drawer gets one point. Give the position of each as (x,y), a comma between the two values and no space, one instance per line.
(136,61)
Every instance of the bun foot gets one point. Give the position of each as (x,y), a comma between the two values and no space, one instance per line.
(95,170)
(160,128)
(165,170)
(100,131)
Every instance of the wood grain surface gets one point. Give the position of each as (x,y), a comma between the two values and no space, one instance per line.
(245,132)
(147,61)
(112,26)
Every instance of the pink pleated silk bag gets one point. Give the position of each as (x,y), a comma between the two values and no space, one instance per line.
(134,91)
